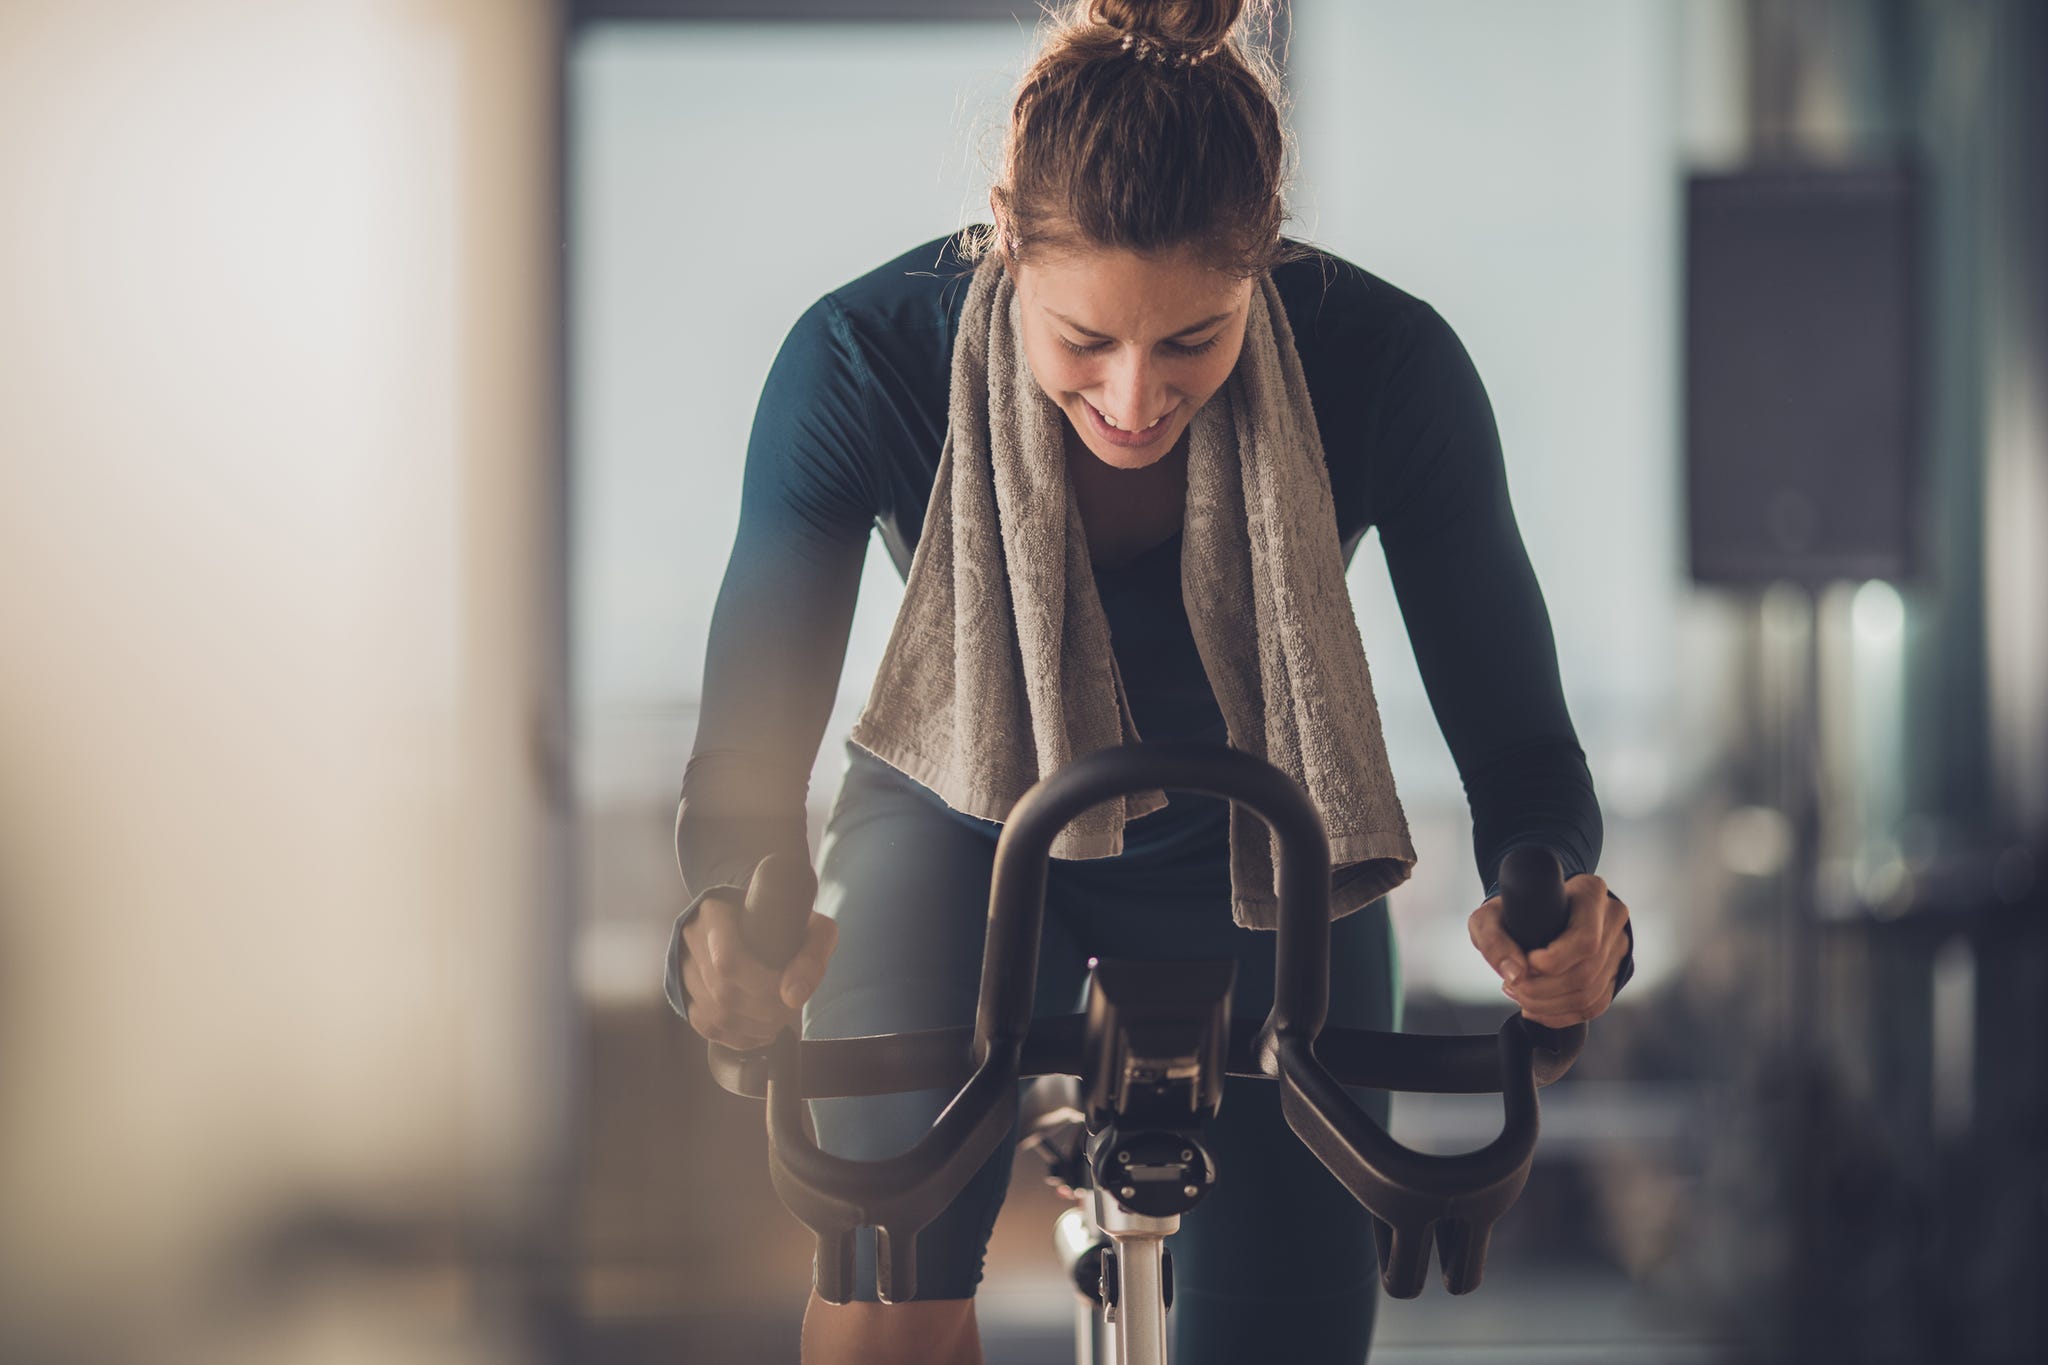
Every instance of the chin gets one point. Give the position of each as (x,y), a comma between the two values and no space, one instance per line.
(1120,457)
(1127,459)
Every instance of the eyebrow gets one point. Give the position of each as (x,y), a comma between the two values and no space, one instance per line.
(1089,331)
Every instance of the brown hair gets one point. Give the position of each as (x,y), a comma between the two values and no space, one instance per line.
(1145,125)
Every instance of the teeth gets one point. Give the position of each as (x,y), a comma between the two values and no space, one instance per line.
(1109,421)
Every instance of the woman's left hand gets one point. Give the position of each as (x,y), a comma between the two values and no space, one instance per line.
(1572,979)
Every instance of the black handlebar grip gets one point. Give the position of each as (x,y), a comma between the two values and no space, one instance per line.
(1533,908)
(1534,911)
(778,913)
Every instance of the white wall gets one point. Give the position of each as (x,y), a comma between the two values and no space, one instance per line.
(726,175)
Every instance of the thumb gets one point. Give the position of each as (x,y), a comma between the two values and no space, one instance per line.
(1492,940)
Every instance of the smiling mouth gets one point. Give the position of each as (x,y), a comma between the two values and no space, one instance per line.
(1131,431)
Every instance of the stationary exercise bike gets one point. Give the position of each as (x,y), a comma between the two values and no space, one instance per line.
(1148,1056)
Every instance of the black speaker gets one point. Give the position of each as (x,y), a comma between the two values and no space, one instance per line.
(1802,375)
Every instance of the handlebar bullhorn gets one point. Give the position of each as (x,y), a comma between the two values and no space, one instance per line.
(1416,1198)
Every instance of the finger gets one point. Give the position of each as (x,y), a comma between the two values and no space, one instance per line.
(1559,1001)
(1549,992)
(1578,1011)
(1585,932)
(726,1009)
(1598,970)
(1492,941)
(1579,982)
(728,961)
(718,1027)
(1619,935)
(807,968)
(713,904)
(1561,1012)
(730,1005)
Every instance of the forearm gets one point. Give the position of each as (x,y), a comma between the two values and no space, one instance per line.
(1541,793)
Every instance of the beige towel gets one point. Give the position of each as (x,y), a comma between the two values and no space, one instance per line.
(999,669)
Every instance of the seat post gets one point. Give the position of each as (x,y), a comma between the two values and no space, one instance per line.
(1136,1292)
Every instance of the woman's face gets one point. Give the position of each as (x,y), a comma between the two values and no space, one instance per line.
(1123,342)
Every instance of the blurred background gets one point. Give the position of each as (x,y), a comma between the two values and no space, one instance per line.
(374,379)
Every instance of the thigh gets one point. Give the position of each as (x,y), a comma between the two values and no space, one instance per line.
(907,882)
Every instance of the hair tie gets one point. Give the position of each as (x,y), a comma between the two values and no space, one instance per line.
(1144,49)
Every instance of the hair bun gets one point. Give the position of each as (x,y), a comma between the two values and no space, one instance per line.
(1181,24)
(1125,93)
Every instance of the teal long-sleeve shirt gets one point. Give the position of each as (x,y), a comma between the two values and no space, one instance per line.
(846,441)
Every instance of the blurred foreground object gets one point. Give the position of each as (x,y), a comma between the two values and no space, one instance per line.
(283,1024)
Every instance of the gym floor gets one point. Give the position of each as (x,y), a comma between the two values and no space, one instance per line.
(1584,1317)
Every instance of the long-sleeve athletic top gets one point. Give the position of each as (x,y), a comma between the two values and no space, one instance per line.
(846,440)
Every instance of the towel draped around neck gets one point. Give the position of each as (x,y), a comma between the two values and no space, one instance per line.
(999,670)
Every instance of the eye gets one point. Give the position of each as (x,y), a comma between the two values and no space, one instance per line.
(1173,346)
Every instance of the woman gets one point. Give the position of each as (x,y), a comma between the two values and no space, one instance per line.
(1137,276)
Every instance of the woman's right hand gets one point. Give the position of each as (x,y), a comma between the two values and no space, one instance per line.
(734,998)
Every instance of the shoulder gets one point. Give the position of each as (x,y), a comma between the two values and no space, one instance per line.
(886,335)
(1370,348)
(915,294)
(1386,374)
(1336,305)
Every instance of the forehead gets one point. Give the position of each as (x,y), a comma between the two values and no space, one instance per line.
(1123,294)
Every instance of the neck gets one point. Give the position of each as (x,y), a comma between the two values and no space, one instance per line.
(1170,468)
(1127,511)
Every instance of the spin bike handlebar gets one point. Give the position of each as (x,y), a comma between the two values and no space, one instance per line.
(1416,1198)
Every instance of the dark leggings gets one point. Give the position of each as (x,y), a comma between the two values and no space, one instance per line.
(1277,1263)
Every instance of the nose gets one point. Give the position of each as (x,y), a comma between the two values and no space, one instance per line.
(1132,394)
